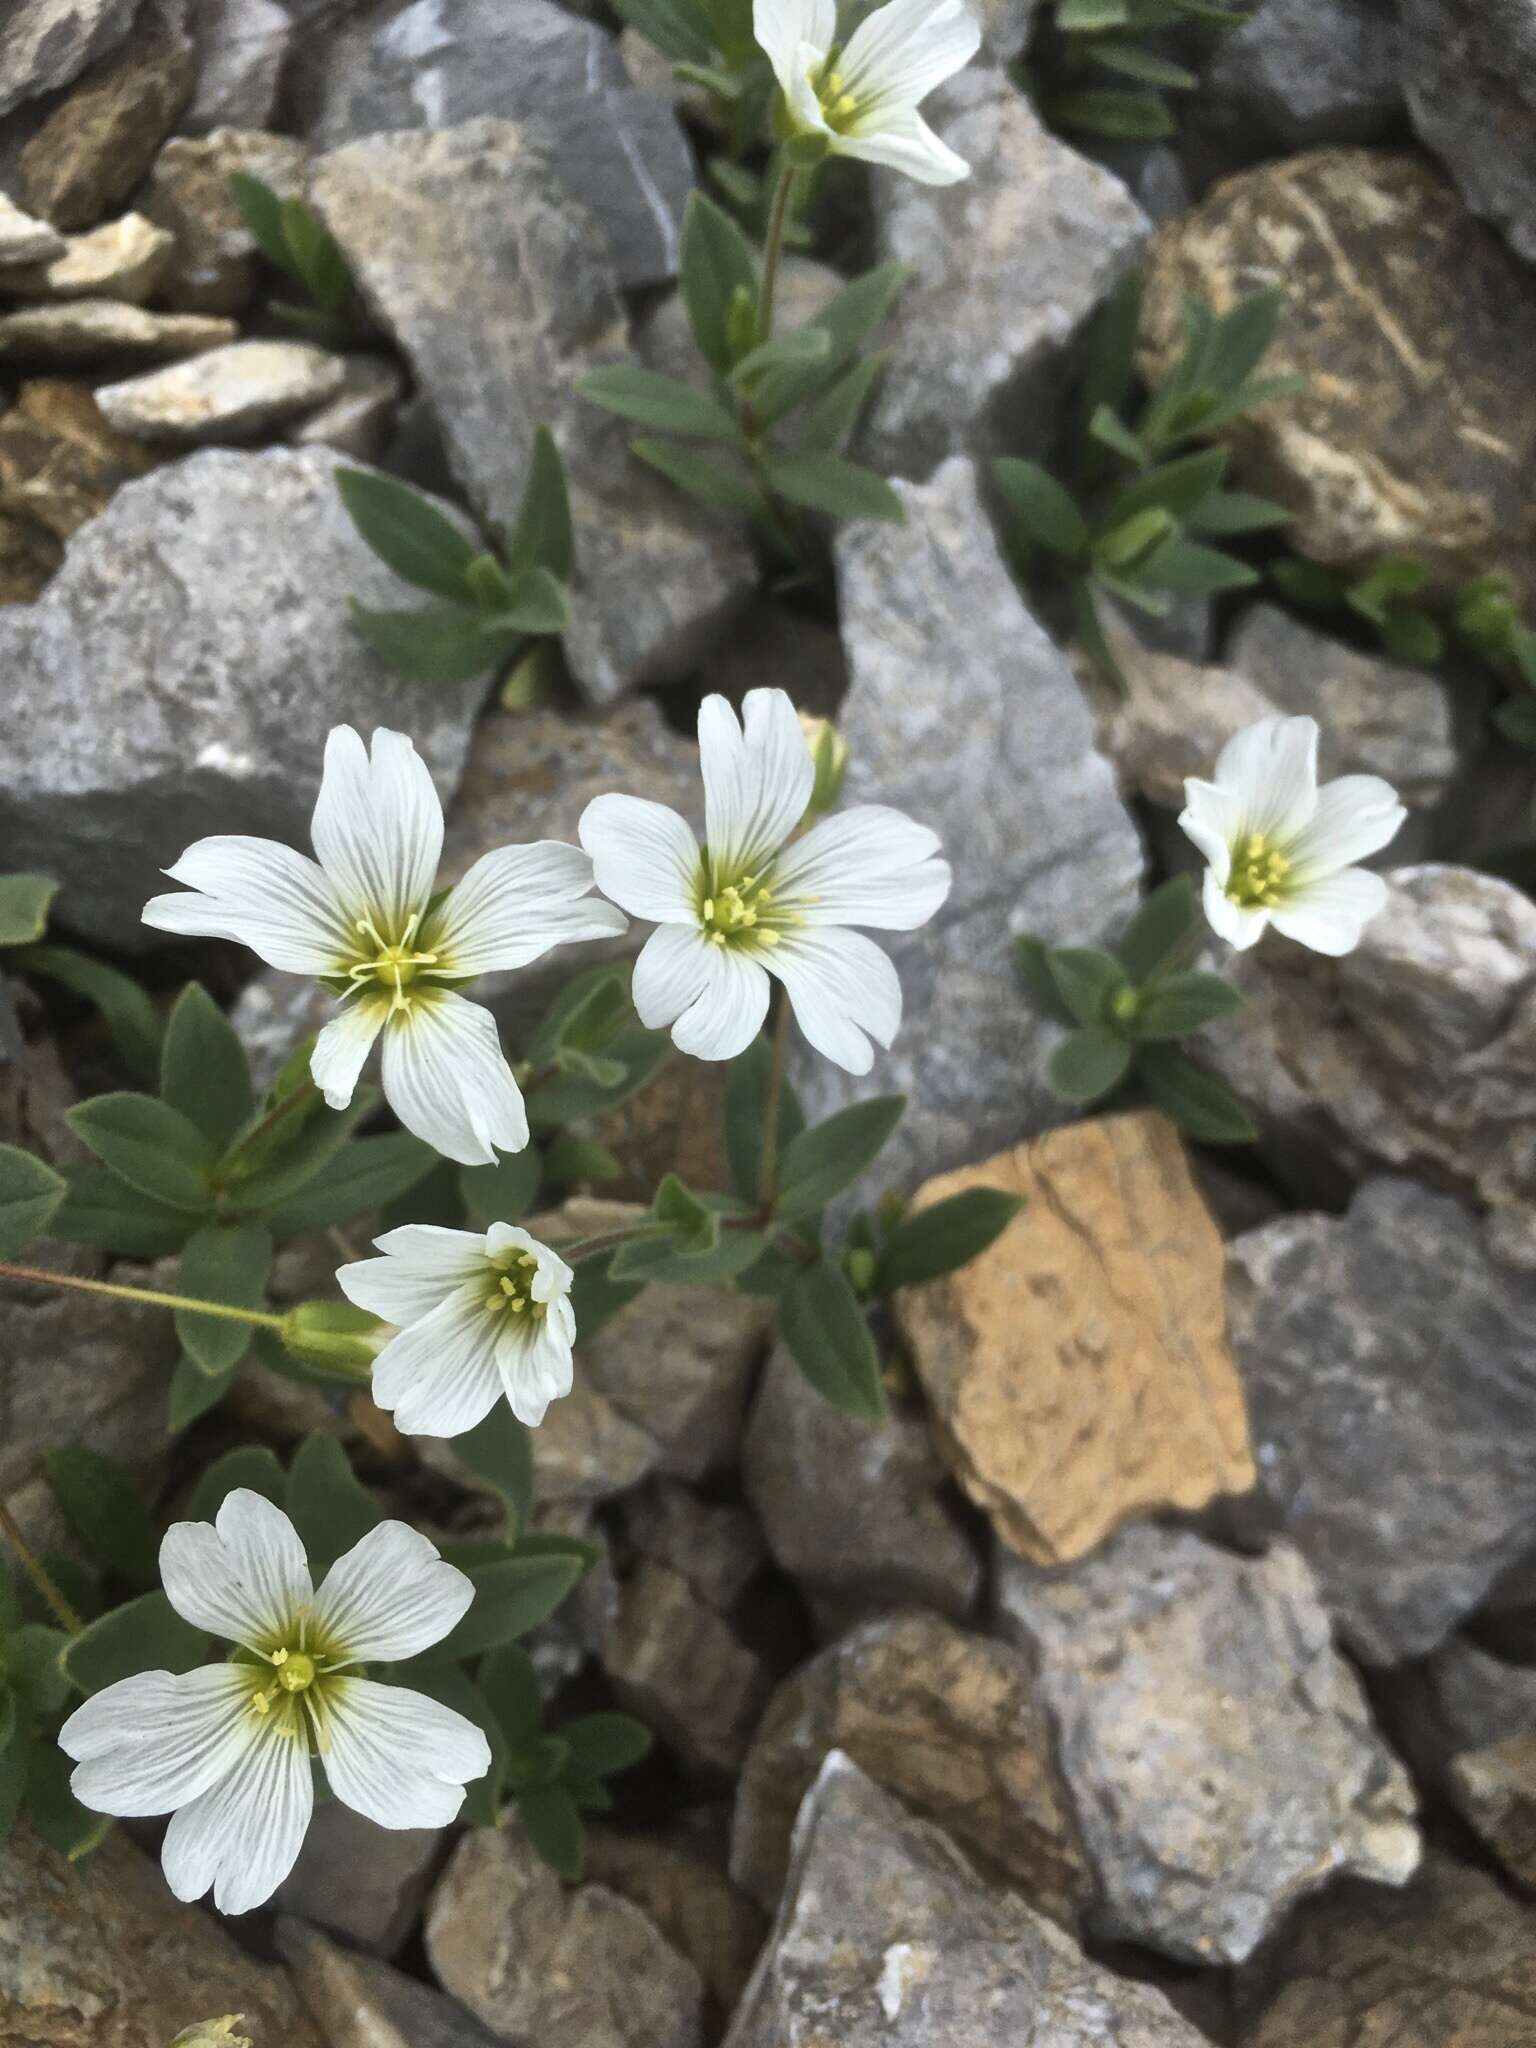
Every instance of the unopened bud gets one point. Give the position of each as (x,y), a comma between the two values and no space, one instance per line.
(214,2034)
(829,753)
(861,1266)
(336,1336)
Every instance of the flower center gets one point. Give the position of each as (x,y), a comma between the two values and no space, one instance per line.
(392,964)
(1257,880)
(513,1292)
(838,105)
(738,913)
(295,1683)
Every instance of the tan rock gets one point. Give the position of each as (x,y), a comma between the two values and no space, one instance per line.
(1409,324)
(123,259)
(947,1721)
(23,239)
(188,193)
(359,419)
(677,1884)
(359,2002)
(1496,1790)
(681,1668)
(226,394)
(101,1956)
(76,330)
(1078,1372)
(28,557)
(60,460)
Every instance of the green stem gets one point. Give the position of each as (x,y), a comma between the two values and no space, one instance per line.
(259,1317)
(305,1093)
(768,1166)
(773,249)
(606,1241)
(39,1574)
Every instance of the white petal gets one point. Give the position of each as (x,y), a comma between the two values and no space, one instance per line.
(902,141)
(391,1595)
(552,1276)
(422,1265)
(342,1049)
(1270,771)
(801,98)
(439,1377)
(244,1834)
(536,1365)
(378,826)
(844,992)
(1329,914)
(244,1576)
(447,1079)
(1240,927)
(261,895)
(713,997)
(1355,817)
(515,904)
(870,865)
(643,855)
(758,777)
(1212,819)
(903,50)
(781,26)
(155,1741)
(400,1758)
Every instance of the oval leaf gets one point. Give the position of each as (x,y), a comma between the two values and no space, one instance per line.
(943,1237)
(825,1332)
(146,1634)
(30,1195)
(824,1159)
(148,1144)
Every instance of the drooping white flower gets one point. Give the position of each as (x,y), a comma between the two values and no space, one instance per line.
(757,901)
(361,918)
(1280,850)
(226,1749)
(480,1318)
(861,99)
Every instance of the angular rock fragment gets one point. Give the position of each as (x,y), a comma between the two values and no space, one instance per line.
(1467,1723)
(78,330)
(124,259)
(1303,73)
(241,46)
(358,2002)
(24,240)
(227,394)
(188,194)
(1469,71)
(358,421)
(672,1877)
(366,1883)
(716,1546)
(681,1669)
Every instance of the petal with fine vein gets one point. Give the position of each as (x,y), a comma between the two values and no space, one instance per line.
(1270,771)
(439,1377)
(259,894)
(243,1835)
(422,1265)
(901,140)
(1212,819)
(758,777)
(781,26)
(447,1079)
(903,50)
(390,1596)
(154,1741)
(844,992)
(378,826)
(342,1049)
(242,1577)
(516,903)
(1355,817)
(713,997)
(536,1366)
(1234,922)
(643,856)
(870,865)
(1330,913)
(400,1758)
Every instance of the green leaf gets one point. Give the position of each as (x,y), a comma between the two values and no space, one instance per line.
(537,606)
(251,1466)
(1093,639)
(407,532)
(105,1510)
(665,1262)
(16,1753)
(102,1210)
(229,1264)
(31,1194)
(825,1332)
(1087,17)
(596,1296)
(193,1393)
(837,412)
(132,1020)
(512,1596)
(54,1812)
(555,1833)
(746,1109)
(148,1144)
(1176,487)
(1110,359)
(1236,512)
(499,1450)
(146,1634)
(1308,584)
(1196,1101)
(327,1503)
(367,1173)
(542,537)
(33,1655)
(1412,636)
(1032,958)
(502,1193)
(678,28)
(1130,60)
(699,477)
(601,1744)
(652,400)
(819,1162)
(1243,336)
(24,901)
(851,315)
(1088,1064)
(1048,513)
(832,485)
(938,1239)
(1087,980)
(715,260)
(1515,718)
(439,643)
(1107,428)
(1185,1002)
(690,1220)
(510,1682)
(262,211)
(1122,116)
(579,1162)
(204,1073)
(799,350)
(293,1152)
(1158,929)
(1190,570)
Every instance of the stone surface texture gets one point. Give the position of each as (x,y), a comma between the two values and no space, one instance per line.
(358,2002)
(229,394)
(49,42)
(679,1667)
(366,1883)
(1469,71)
(241,46)
(1306,72)
(675,1881)
(80,330)
(716,1546)
(215,265)
(26,240)
(1096,1320)
(123,259)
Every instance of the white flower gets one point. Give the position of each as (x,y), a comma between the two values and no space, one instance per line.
(226,1749)
(479,1318)
(1281,850)
(362,918)
(753,904)
(861,100)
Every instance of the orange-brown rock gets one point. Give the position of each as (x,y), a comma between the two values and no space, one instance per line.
(1078,1372)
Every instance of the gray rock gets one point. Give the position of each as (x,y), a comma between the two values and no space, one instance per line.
(888,1938)
(366,1883)
(1005,267)
(1469,71)
(49,42)
(357,2002)
(229,394)
(858,1515)
(210,596)
(358,421)
(579,1968)
(1390,1368)
(25,240)
(677,1881)
(586,1451)
(678,1362)
(943,655)
(437,63)
(679,1667)
(79,330)
(188,193)
(717,1547)
(241,46)
(1218,1749)
(1416,1051)
(475,217)
(125,259)
(1302,72)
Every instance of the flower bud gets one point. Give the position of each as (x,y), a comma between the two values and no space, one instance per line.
(861,1266)
(334,1336)
(829,752)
